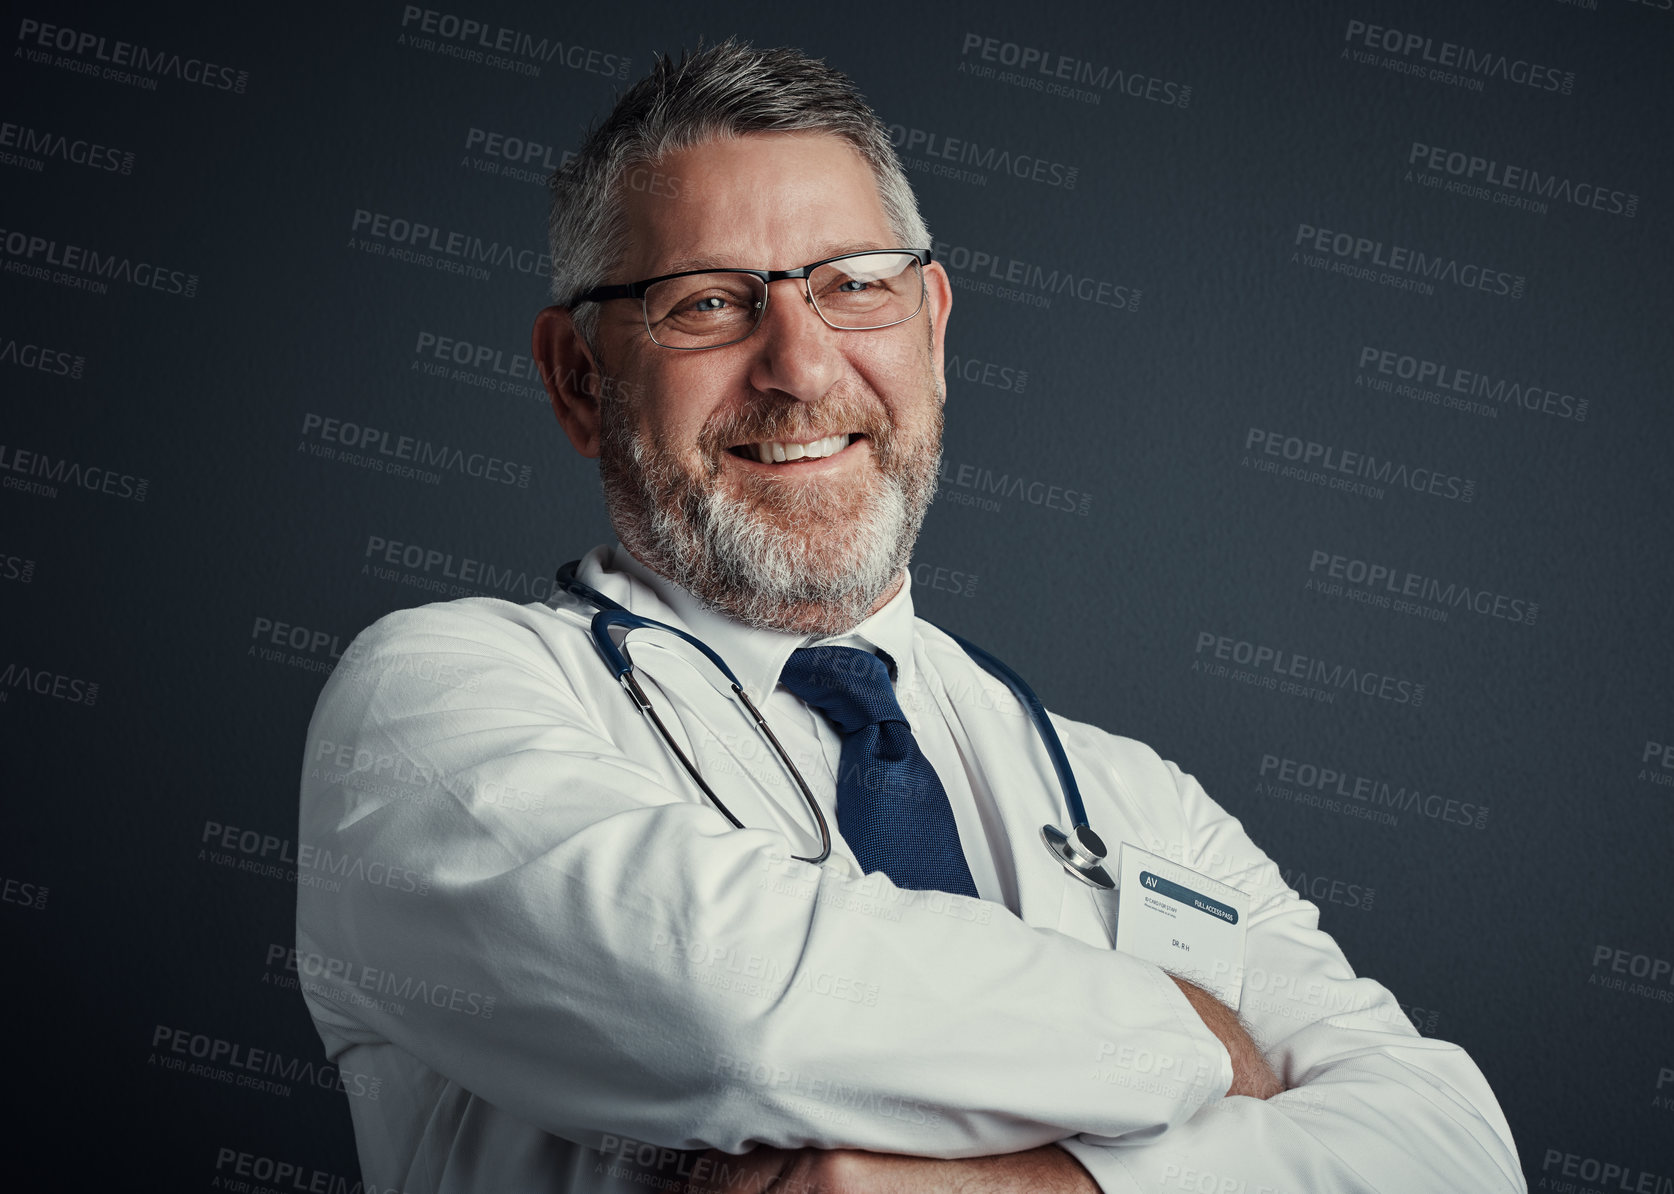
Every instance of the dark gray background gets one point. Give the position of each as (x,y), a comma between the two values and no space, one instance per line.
(1492,936)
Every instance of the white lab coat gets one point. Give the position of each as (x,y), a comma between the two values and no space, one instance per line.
(545,962)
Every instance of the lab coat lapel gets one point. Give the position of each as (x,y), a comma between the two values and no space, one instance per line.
(1007,766)
(1041,882)
(1011,771)
(1047,895)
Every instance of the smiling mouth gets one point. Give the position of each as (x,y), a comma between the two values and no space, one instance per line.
(784,452)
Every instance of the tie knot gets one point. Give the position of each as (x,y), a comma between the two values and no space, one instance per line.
(850,686)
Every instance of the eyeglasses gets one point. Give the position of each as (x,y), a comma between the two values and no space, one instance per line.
(711,308)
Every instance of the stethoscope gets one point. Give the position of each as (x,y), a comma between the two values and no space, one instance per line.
(1080,851)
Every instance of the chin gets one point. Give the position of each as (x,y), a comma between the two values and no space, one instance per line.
(816,556)
(806,583)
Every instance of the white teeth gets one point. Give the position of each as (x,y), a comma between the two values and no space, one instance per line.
(778,453)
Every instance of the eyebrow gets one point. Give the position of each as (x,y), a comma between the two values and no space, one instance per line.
(682,264)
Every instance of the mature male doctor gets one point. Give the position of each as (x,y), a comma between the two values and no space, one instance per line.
(574,972)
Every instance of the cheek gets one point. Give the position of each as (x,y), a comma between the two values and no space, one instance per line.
(674,404)
(903,378)
(893,357)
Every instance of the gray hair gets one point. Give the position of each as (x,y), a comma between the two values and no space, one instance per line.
(725,91)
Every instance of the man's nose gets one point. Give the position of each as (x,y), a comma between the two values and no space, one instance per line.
(796,352)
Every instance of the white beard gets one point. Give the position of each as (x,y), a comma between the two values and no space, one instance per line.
(789,559)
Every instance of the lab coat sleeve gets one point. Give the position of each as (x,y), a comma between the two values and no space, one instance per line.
(1374,1107)
(496,885)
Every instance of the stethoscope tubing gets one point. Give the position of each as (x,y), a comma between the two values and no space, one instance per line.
(1080,851)
(1038,715)
(612,614)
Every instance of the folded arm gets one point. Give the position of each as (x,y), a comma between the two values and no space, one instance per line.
(1369,1104)
(1047,1170)
(1341,1093)
(655,973)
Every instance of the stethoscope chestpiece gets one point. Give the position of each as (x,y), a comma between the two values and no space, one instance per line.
(1081,852)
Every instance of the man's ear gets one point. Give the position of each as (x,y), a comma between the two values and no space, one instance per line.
(571,376)
(938,297)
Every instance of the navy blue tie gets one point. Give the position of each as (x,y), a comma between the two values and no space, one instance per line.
(891,807)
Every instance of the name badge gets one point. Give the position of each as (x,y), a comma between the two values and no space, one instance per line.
(1185,922)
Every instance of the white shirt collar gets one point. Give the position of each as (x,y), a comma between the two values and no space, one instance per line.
(756,657)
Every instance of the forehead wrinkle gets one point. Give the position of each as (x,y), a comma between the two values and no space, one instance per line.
(763,201)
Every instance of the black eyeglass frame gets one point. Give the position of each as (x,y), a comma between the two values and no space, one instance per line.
(637,290)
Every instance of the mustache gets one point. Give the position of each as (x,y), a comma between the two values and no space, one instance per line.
(790,421)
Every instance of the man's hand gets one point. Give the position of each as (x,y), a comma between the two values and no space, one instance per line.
(1251,1075)
(1045,1170)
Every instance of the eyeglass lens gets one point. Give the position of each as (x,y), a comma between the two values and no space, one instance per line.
(872,290)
